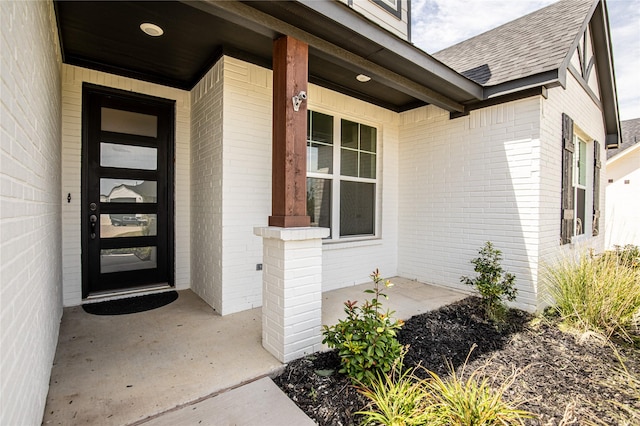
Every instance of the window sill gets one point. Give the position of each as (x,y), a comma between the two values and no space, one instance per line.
(351,243)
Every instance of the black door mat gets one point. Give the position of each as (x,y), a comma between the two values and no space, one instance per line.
(131,305)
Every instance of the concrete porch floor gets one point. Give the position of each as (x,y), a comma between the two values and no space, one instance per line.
(119,370)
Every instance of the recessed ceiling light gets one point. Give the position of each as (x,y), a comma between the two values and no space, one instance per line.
(151,29)
(363,78)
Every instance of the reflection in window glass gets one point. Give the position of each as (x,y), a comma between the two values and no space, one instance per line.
(117,225)
(357,208)
(128,191)
(131,123)
(127,259)
(319,202)
(319,142)
(128,156)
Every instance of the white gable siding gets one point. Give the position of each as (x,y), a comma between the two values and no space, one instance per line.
(583,54)
(467,181)
(623,199)
(381,16)
(30,243)
(72,79)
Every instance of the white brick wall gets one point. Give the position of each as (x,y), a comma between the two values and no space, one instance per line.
(72,79)
(226,269)
(206,187)
(492,176)
(30,197)
(466,181)
(587,116)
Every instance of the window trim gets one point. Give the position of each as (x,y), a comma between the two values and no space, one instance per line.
(336,177)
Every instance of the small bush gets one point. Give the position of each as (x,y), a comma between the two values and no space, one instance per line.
(366,339)
(492,282)
(404,399)
(597,293)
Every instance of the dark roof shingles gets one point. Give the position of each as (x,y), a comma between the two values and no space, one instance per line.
(630,130)
(532,44)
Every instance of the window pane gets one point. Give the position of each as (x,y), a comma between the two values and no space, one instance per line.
(349,134)
(367,138)
(321,127)
(367,165)
(131,123)
(128,191)
(128,225)
(357,208)
(127,259)
(319,202)
(580,210)
(319,158)
(582,163)
(128,156)
(349,162)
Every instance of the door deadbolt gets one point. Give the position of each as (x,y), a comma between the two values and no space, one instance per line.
(93,219)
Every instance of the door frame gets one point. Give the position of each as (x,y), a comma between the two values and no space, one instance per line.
(89,89)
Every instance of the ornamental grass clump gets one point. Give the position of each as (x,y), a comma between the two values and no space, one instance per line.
(401,398)
(598,293)
(366,339)
(493,284)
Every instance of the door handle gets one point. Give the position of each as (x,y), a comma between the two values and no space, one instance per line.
(93,219)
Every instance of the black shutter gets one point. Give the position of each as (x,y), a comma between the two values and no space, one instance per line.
(568,148)
(597,165)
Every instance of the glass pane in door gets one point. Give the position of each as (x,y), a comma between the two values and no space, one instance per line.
(116,225)
(131,123)
(128,191)
(128,156)
(127,259)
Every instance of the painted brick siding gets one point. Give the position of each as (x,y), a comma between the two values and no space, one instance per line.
(72,79)
(206,187)
(587,116)
(466,181)
(242,168)
(30,197)
(246,180)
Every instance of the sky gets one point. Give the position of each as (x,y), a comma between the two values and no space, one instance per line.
(437,24)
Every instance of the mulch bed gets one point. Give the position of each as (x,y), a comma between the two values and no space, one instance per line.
(564,379)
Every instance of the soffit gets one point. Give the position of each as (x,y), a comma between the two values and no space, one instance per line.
(106,36)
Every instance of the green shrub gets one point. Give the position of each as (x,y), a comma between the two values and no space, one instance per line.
(366,339)
(492,282)
(597,293)
(404,399)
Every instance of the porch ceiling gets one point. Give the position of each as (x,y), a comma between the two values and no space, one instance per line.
(107,36)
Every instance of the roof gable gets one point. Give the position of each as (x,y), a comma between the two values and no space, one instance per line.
(533,44)
(536,51)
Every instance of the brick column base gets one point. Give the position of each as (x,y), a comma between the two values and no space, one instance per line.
(291,290)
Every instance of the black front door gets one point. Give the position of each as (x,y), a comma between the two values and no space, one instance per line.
(127,191)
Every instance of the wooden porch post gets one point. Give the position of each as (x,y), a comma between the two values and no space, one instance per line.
(289,175)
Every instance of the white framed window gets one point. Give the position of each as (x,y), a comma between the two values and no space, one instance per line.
(579,186)
(342,181)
